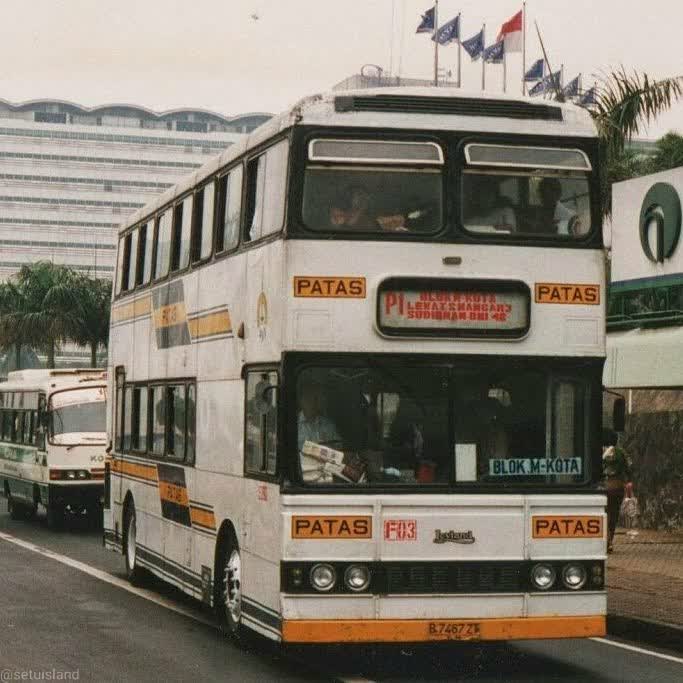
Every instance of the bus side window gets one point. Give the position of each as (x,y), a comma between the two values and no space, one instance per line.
(175,422)
(124,264)
(130,276)
(139,435)
(118,417)
(261,422)
(157,402)
(190,421)
(120,264)
(139,267)
(230,205)
(182,220)
(266,189)
(145,269)
(163,250)
(127,417)
(202,228)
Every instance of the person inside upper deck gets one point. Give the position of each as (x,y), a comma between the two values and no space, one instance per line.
(486,208)
(552,215)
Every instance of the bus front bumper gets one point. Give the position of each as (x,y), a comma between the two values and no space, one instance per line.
(440,630)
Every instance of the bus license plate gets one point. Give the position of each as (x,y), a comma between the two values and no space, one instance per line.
(454,630)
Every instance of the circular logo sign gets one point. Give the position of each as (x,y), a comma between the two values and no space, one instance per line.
(660,222)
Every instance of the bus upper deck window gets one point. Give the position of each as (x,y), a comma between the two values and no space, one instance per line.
(230,201)
(373,186)
(162,263)
(202,229)
(526,191)
(180,246)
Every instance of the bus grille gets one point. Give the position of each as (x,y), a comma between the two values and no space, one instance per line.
(463,106)
(441,577)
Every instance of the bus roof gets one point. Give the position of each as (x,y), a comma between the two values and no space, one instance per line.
(37,380)
(418,108)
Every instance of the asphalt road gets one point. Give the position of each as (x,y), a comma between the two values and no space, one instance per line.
(65,607)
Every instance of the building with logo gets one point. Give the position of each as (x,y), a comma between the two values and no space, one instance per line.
(70,174)
(645,338)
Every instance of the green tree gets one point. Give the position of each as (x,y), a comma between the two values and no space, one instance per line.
(93,301)
(48,314)
(669,152)
(624,103)
(11,303)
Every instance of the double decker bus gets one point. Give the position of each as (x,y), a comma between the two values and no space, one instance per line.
(52,442)
(356,369)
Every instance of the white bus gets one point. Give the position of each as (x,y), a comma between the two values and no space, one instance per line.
(52,442)
(356,369)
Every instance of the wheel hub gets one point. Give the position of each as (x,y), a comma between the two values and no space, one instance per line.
(232,586)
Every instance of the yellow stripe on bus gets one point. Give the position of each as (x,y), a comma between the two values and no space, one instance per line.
(135,469)
(134,309)
(202,517)
(172,314)
(209,324)
(173,493)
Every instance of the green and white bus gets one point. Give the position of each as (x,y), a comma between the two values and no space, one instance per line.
(52,442)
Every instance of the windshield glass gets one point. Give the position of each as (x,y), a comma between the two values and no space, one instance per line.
(78,411)
(398,424)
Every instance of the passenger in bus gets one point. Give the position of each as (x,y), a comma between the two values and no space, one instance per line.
(487,207)
(352,211)
(480,420)
(553,216)
(312,423)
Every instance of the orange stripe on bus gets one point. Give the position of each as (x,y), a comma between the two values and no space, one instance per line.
(134,309)
(209,324)
(424,630)
(173,493)
(134,469)
(203,517)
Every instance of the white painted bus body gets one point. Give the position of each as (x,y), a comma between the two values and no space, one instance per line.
(215,490)
(69,470)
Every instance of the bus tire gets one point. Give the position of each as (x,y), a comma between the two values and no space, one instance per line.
(55,516)
(134,572)
(229,589)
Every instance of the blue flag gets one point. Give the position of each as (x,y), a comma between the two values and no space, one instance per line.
(536,72)
(572,88)
(449,32)
(474,46)
(494,53)
(547,84)
(427,23)
(588,97)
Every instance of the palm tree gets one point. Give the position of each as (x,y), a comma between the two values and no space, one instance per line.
(624,103)
(11,302)
(93,303)
(49,307)
(669,152)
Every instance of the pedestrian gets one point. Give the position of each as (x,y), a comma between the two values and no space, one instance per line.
(616,470)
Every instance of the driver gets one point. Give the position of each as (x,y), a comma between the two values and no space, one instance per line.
(553,211)
(313,425)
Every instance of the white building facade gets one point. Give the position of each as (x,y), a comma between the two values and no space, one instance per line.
(70,174)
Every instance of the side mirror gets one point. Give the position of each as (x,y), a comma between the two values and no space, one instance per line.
(619,414)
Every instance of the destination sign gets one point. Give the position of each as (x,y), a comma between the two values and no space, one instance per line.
(524,467)
(445,310)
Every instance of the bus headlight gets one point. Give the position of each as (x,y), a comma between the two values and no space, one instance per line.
(574,576)
(323,577)
(543,576)
(357,578)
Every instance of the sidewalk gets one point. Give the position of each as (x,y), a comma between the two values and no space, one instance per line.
(645,586)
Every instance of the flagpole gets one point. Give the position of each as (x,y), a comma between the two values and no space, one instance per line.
(505,69)
(523,47)
(436,43)
(459,49)
(483,58)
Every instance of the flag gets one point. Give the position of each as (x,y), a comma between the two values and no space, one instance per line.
(449,32)
(511,33)
(572,88)
(494,53)
(548,83)
(536,72)
(474,46)
(427,23)
(588,97)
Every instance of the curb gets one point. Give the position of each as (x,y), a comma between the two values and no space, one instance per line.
(657,633)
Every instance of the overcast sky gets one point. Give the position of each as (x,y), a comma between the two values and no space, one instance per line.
(214,54)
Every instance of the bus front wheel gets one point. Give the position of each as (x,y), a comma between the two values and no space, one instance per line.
(134,572)
(229,604)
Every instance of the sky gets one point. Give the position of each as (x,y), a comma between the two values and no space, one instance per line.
(237,56)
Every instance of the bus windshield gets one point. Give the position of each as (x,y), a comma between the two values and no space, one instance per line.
(78,411)
(396,424)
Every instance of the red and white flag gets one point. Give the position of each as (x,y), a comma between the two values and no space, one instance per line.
(511,32)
